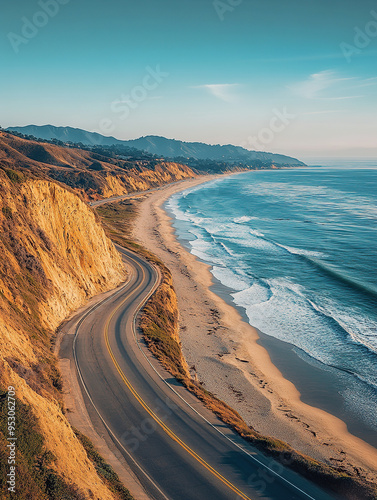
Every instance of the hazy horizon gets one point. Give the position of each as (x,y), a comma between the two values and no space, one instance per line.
(295,79)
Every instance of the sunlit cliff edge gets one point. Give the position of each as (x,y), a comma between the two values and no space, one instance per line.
(54,256)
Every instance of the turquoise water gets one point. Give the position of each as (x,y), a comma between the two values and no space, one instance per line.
(296,250)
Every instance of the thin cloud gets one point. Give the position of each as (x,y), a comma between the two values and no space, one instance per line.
(222,91)
(320,85)
(368,82)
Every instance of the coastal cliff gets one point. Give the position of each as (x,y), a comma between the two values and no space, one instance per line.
(90,174)
(54,257)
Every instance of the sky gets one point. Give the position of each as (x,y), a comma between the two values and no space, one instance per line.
(297,77)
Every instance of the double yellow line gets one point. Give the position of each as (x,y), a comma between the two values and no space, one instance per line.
(168,431)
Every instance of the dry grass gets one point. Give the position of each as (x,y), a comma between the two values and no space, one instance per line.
(36,292)
(160,332)
(159,323)
(91,175)
(104,470)
(35,478)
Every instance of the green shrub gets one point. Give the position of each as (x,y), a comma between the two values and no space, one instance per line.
(15,177)
(159,329)
(104,470)
(7,212)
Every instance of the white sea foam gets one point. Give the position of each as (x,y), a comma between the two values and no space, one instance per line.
(204,251)
(227,249)
(217,253)
(360,329)
(257,293)
(231,279)
(253,241)
(301,251)
(173,205)
(207,185)
(243,219)
(330,200)
(278,306)
(283,310)
(257,240)
(256,233)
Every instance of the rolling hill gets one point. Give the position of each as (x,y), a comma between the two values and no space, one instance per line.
(161,146)
(92,174)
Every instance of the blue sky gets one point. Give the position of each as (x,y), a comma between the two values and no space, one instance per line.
(297,77)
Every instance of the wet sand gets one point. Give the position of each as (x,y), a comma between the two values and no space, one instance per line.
(319,385)
(236,362)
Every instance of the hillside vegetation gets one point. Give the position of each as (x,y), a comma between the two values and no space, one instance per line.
(94,174)
(54,257)
(228,155)
(159,324)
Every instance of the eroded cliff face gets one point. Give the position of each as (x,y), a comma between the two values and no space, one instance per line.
(141,179)
(54,256)
(84,262)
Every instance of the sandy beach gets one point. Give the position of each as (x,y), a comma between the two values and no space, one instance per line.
(221,350)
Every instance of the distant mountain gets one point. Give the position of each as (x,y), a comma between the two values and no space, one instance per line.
(168,148)
(200,151)
(66,134)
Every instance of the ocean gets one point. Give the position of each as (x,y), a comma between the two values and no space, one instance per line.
(295,251)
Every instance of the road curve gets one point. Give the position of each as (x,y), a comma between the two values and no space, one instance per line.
(177,448)
(134,194)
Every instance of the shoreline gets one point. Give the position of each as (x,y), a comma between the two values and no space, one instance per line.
(309,374)
(225,353)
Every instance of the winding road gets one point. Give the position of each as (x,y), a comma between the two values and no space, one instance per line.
(176,447)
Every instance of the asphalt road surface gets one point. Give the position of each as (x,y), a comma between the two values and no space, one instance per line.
(177,448)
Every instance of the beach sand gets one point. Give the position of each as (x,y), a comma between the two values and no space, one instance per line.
(221,349)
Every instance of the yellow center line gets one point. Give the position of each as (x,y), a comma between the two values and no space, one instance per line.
(168,431)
